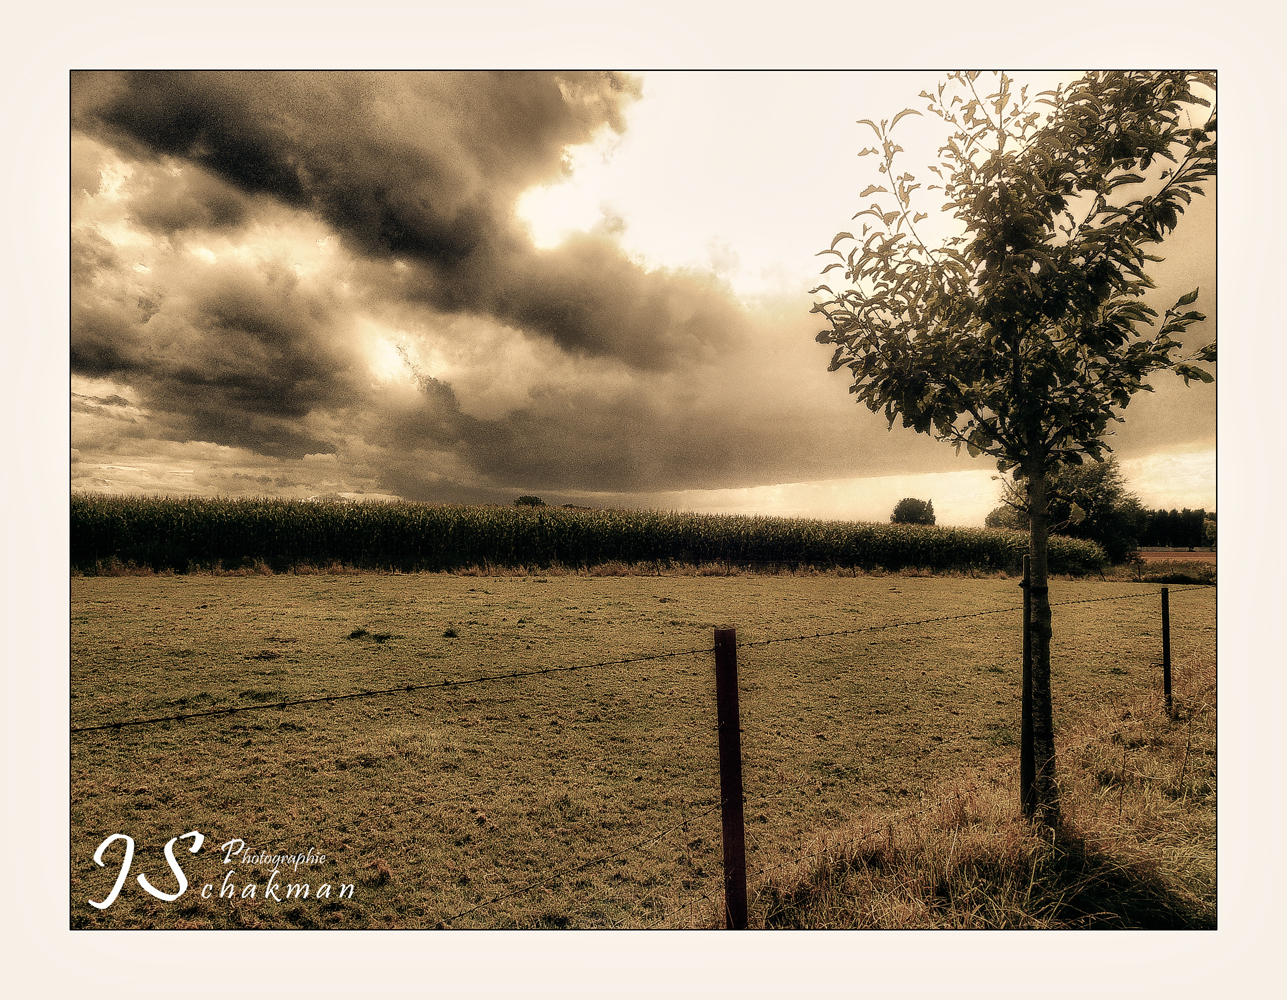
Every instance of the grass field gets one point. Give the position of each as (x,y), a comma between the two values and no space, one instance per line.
(433,803)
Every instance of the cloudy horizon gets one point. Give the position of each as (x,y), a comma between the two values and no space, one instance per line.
(463,287)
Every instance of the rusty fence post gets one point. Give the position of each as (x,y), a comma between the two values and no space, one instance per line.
(730,777)
(1027,751)
(1166,650)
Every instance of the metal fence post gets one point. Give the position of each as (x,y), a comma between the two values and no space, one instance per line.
(730,777)
(1027,750)
(1166,649)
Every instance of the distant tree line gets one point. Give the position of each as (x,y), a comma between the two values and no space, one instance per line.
(1183,529)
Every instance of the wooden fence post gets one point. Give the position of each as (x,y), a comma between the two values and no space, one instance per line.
(1166,650)
(1027,751)
(730,777)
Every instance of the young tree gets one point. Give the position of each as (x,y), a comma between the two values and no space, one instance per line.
(909,510)
(1019,337)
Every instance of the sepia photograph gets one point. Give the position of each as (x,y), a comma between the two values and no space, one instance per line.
(501,501)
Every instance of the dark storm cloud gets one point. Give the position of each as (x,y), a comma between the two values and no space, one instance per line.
(102,342)
(432,418)
(108,311)
(730,425)
(93,404)
(387,156)
(235,354)
(649,455)
(194,199)
(207,417)
(259,344)
(423,168)
(590,299)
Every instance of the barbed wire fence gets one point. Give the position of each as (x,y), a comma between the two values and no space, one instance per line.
(692,818)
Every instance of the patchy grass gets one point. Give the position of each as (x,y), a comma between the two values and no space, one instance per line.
(1166,571)
(1136,847)
(572,798)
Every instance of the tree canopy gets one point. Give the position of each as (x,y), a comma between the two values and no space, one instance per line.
(1020,338)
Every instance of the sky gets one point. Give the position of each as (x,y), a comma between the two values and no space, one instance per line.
(462,288)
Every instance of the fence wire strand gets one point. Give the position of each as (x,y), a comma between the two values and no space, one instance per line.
(400,689)
(513,675)
(799,859)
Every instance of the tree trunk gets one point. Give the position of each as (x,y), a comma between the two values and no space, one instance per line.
(1043,805)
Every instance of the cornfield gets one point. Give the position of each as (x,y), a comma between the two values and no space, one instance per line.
(191,534)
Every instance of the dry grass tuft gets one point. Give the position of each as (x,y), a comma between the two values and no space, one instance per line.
(332,569)
(114,567)
(1136,847)
(380,874)
(1173,571)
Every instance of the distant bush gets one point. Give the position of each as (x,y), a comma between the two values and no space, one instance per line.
(529,501)
(1006,516)
(1088,501)
(909,510)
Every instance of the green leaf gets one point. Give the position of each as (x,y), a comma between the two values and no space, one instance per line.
(1188,372)
(1188,299)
